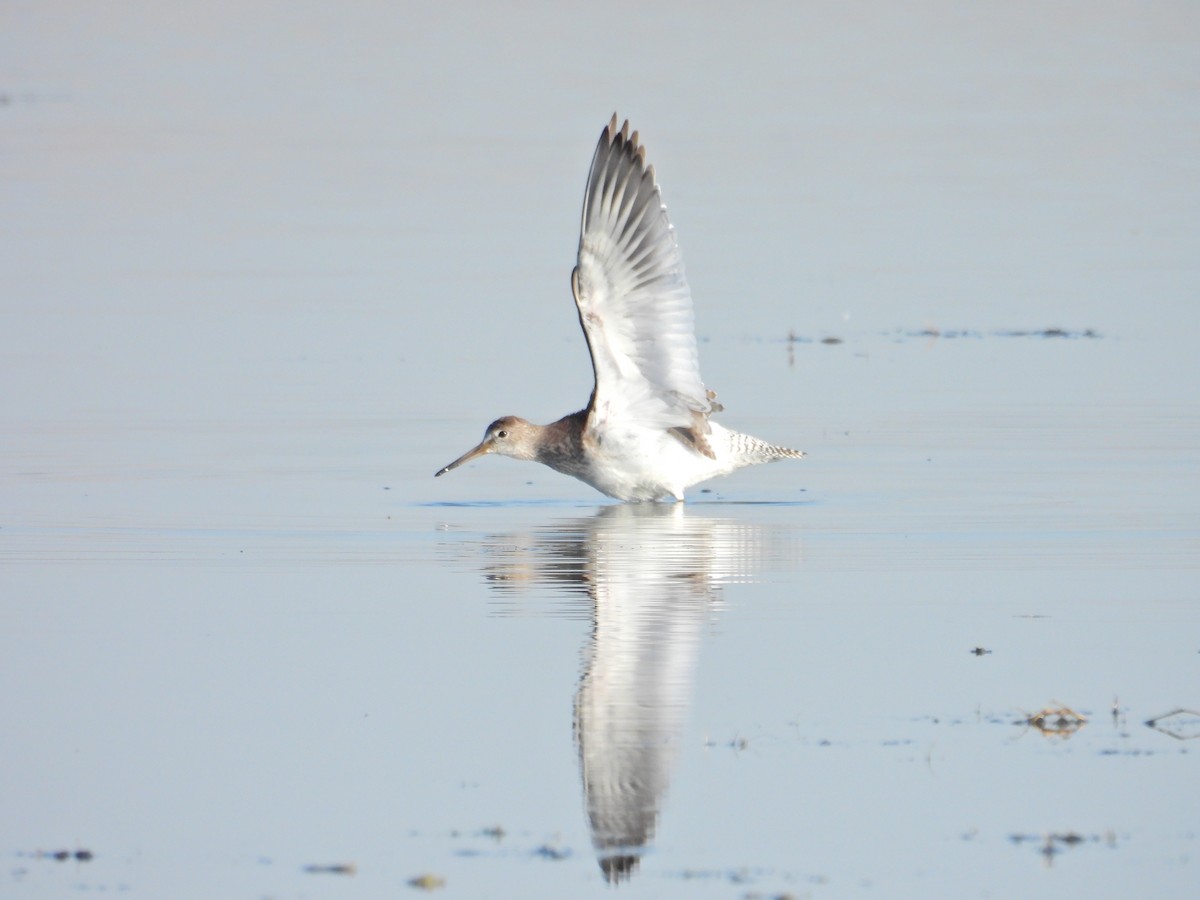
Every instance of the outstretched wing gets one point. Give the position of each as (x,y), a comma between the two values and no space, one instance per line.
(633,299)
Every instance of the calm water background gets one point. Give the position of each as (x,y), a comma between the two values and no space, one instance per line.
(265,267)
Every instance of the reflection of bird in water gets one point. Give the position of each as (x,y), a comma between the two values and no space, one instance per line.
(646,431)
(653,576)
(651,602)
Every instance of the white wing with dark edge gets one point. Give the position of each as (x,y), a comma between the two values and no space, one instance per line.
(633,299)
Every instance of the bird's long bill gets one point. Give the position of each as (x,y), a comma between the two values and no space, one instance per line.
(483,448)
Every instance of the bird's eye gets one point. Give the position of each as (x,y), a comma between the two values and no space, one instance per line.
(501,434)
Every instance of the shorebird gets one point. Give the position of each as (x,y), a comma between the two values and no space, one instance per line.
(646,433)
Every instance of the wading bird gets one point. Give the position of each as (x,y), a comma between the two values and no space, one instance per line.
(646,433)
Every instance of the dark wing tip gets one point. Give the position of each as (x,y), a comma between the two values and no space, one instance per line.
(626,142)
(623,135)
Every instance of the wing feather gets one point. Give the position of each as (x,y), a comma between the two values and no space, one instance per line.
(633,298)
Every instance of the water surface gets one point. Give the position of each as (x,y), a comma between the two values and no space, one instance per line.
(265,273)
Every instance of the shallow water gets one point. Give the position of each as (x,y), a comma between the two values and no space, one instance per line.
(265,274)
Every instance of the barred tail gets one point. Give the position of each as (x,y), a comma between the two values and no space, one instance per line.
(750,450)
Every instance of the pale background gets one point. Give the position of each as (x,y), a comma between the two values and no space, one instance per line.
(264,267)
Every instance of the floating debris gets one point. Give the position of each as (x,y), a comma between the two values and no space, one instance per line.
(944,333)
(62,855)
(980,651)
(933,333)
(1057,720)
(1050,333)
(1053,332)
(1056,842)
(495,832)
(546,851)
(335,869)
(737,742)
(1181,724)
(427,882)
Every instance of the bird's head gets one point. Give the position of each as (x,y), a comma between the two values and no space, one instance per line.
(509,436)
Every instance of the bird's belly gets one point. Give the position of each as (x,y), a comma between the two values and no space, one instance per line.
(645,466)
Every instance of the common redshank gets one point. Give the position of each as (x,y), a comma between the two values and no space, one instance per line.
(646,433)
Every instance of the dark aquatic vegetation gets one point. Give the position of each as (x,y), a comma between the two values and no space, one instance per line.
(63,855)
(1054,843)
(334,869)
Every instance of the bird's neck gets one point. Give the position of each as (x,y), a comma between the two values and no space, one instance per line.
(561,444)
